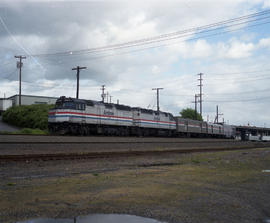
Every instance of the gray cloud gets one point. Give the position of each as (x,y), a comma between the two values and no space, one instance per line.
(48,27)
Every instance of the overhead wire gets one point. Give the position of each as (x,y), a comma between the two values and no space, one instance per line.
(164,37)
(170,35)
(238,100)
(158,46)
(28,53)
(243,79)
(241,92)
(7,63)
(146,48)
(10,73)
(238,72)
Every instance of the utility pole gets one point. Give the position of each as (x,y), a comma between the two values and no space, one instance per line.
(195,107)
(78,68)
(103,93)
(107,96)
(217,115)
(196,96)
(19,65)
(200,85)
(157,89)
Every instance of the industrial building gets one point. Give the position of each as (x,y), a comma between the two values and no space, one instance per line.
(5,103)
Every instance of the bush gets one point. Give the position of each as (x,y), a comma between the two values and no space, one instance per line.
(28,116)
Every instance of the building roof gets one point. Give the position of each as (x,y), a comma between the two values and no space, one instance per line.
(4,99)
(34,96)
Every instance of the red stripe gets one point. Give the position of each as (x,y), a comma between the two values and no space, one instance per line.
(154,121)
(77,113)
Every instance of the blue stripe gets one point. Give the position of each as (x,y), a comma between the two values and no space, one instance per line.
(151,123)
(97,118)
(100,118)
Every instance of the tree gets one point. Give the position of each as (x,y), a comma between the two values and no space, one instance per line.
(191,114)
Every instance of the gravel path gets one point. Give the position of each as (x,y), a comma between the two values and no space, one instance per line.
(4,127)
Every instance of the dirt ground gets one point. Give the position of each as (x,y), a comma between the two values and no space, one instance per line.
(202,187)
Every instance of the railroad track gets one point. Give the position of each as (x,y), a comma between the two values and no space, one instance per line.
(118,142)
(113,154)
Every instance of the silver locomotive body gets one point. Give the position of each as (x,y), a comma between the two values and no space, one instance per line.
(87,117)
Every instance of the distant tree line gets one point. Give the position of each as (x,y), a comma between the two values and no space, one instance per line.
(190,114)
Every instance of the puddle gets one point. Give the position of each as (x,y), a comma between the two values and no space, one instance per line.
(97,218)
(266,171)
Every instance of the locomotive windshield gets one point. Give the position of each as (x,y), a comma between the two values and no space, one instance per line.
(66,105)
(69,104)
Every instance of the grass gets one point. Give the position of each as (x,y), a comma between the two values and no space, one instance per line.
(195,161)
(26,131)
(196,189)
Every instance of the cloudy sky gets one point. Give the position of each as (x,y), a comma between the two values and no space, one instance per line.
(170,51)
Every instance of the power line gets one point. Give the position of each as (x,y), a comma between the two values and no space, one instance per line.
(258,78)
(7,63)
(242,92)
(18,44)
(241,72)
(239,100)
(12,37)
(169,36)
(9,74)
(153,47)
(243,75)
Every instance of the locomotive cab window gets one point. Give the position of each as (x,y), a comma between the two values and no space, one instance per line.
(80,106)
(171,117)
(65,105)
(69,105)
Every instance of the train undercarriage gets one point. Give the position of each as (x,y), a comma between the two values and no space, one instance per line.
(66,128)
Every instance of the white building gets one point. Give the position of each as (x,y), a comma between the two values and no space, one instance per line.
(5,103)
(32,99)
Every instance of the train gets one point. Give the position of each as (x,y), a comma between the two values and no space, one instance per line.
(89,117)
(258,138)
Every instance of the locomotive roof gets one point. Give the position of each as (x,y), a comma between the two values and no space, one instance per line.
(150,111)
(110,105)
(92,103)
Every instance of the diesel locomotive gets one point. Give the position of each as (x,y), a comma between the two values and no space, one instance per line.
(89,117)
